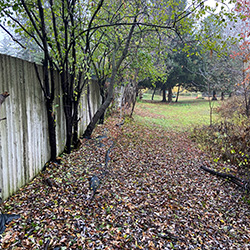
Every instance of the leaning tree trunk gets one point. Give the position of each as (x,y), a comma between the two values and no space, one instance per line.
(178,92)
(153,94)
(101,120)
(135,88)
(89,104)
(115,67)
(102,93)
(97,116)
(103,107)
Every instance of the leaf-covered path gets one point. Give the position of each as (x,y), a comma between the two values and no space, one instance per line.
(153,196)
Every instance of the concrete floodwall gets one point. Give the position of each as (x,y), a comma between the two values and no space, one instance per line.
(24,139)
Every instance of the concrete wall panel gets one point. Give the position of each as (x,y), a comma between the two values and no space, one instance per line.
(24,139)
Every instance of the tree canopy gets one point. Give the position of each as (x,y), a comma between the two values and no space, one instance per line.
(111,40)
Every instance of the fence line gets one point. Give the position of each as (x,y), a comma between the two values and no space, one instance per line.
(24,144)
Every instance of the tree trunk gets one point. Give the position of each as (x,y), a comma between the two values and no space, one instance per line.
(115,67)
(88,100)
(178,92)
(102,93)
(48,91)
(247,107)
(164,88)
(52,115)
(170,94)
(101,120)
(97,116)
(67,106)
(222,96)
(153,94)
(48,85)
(134,100)
(211,112)
(214,98)
(75,139)
(77,97)
(52,130)
(68,135)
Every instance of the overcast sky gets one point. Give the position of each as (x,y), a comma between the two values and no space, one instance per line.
(212,3)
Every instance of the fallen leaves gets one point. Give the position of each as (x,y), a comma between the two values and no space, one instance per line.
(153,196)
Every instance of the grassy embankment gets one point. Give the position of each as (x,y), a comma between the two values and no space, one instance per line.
(187,113)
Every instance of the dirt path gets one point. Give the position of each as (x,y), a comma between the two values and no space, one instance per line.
(154,196)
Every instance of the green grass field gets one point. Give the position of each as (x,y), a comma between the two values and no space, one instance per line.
(187,113)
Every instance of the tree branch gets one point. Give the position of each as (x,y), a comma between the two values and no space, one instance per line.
(32,20)
(55,29)
(12,37)
(241,183)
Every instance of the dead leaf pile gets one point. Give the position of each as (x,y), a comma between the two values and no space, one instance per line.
(153,196)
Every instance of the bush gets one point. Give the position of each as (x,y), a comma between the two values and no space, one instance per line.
(229,140)
(232,107)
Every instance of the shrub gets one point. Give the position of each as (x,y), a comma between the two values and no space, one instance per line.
(228,140)
(232,107)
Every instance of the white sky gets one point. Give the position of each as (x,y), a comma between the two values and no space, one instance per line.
(1,34)
(212,3)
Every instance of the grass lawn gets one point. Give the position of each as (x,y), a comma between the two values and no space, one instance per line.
(181,116)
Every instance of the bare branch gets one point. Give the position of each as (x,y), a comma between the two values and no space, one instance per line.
(39,79)
(55,29)
(90,23)
(12,37)
(31,19)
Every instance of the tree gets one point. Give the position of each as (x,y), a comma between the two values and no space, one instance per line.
(69,32)
(116,63)
(144,20)
(242,53)
(60,28)
(9,10)
(171,62)
(179,70)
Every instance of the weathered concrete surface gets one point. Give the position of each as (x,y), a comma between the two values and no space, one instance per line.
(24,144)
